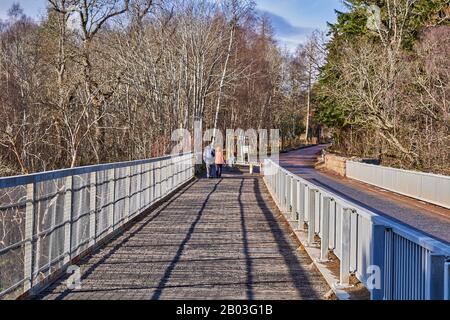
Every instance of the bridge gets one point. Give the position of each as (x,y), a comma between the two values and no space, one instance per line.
(150,229)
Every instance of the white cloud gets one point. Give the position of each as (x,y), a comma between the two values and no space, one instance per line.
(288,36)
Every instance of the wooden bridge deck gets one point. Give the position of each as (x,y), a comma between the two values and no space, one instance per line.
(215,239)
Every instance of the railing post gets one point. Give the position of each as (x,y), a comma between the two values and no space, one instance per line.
(282,190)
(111,199)
(281,195)
(93,206)
(176,171)
(158,179)
(286,194)
(183,171)
(173,173)
(139,185)
(274,181)
(344,279)
(378,244)
(325,225)
(434,283)
(300,208)
(353,240)
(176,166)
(67,217)
(29,226)
(152,183)
(305,213)
(332,223)
(142,189)
(148,184)
(317,211)
(312,218)
(277,185)
(169,176)
(388,264)
(181,175)
(163,178)
(447,281)
(278,191)
(293,199)
(128,194)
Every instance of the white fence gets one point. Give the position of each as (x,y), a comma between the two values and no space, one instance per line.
(50,218)
(393,261)
(427,187)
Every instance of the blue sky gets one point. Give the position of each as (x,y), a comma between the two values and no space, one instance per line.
(293,20)
(32,8)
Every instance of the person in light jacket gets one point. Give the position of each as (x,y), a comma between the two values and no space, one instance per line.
(220,161)
(209,158)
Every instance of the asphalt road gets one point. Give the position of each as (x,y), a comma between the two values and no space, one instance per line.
(429,219)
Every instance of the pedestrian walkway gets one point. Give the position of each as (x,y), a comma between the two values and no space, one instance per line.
(215,239)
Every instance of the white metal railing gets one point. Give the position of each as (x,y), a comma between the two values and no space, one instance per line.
(393,261)
(427,187)
(48,219)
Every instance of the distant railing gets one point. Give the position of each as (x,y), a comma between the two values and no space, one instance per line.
(393,261)
(427,187)
(48,219)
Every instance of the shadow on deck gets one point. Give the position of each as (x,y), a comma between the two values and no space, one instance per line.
(215,239)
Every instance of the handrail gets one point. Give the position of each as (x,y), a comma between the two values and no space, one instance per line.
(51,218)
(416,236)
(428,187)
(411,264)
(8,182)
